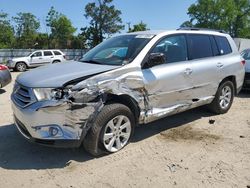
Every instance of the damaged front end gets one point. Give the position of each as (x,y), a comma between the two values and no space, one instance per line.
(67,114)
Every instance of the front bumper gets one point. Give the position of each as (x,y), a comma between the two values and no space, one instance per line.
(10,64)
(54,123)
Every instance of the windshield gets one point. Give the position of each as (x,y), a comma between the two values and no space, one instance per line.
(118,50)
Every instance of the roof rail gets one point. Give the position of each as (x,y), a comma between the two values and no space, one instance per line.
(200,29)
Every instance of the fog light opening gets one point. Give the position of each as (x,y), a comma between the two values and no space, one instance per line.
(53,131)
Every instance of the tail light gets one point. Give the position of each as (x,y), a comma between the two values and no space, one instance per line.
(243,62)
(3,67)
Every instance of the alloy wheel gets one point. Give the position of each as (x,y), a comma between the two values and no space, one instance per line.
(225,97)
(117,133)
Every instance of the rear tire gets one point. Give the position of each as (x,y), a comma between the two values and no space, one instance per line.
(21,67)
(111,130)
(223,99)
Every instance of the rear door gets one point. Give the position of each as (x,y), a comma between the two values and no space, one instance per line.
(48,57)
(205,66)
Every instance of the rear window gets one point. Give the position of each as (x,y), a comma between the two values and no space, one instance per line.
(199,46)
(57,53)
(47,53)
(223,45)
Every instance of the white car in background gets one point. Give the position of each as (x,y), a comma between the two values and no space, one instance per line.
(35,59)
(246,55)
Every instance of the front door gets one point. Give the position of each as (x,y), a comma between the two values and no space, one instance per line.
(169,85)
(36,58)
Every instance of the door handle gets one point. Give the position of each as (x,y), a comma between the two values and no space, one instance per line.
(219,65)
(40,58)
(188,71)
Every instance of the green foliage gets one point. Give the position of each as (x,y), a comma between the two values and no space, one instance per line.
(26,30)
(233,16)
(104,20)
(138,27)
(6,31)
(61,29)
(41,41)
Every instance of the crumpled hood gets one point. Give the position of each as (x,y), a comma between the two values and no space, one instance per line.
(55,75)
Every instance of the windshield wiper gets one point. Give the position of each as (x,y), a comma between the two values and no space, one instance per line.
(92,62)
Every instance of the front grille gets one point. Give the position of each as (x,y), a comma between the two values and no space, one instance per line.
(23,96)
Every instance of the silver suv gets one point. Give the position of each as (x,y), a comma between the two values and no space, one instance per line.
(127,80)
(35,59)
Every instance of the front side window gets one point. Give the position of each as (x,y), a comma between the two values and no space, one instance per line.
(173,47)
(37,54)
(223,44)
(199,46)
(47,53)
(118,50)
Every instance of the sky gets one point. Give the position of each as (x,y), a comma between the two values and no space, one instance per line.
(157,14)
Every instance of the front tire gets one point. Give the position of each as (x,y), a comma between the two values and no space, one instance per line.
(21,67)
(111,130)
(223,99)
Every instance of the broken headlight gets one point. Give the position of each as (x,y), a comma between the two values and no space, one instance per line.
(50,94)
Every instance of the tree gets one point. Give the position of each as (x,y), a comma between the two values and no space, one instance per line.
(61,29)
(138,27)
(233,16)
(6,31)
(105,20)
(26,29)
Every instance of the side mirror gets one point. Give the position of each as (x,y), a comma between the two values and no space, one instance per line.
(155,59)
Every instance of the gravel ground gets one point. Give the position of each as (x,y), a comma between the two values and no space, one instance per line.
(191,149)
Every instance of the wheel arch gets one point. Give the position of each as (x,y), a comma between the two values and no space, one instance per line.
(58,60)
(21,62)
(231,78)
(127,101)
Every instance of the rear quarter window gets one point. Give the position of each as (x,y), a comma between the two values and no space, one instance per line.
(223,45)
(199,46)
(57,53)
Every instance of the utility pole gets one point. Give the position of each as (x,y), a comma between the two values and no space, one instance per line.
(128,23)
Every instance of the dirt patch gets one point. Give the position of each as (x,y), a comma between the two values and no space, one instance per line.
(188,133)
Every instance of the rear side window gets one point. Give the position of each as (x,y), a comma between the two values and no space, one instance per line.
(47,53)
(223,45)
(199,46)
(57,53)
